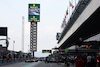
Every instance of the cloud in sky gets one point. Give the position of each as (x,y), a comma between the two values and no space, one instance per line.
(46,37)
(27,28)
(40,54)
(52,13)
(48,30)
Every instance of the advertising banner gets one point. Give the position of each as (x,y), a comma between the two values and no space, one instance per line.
(46,51)
(58,36)
(34,13)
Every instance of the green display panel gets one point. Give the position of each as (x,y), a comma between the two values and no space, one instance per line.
(34,13)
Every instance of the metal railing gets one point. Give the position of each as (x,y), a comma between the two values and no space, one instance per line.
(82,4)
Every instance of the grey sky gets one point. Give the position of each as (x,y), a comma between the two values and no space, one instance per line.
(52,13)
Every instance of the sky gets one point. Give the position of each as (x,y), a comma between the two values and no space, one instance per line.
(52,13)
